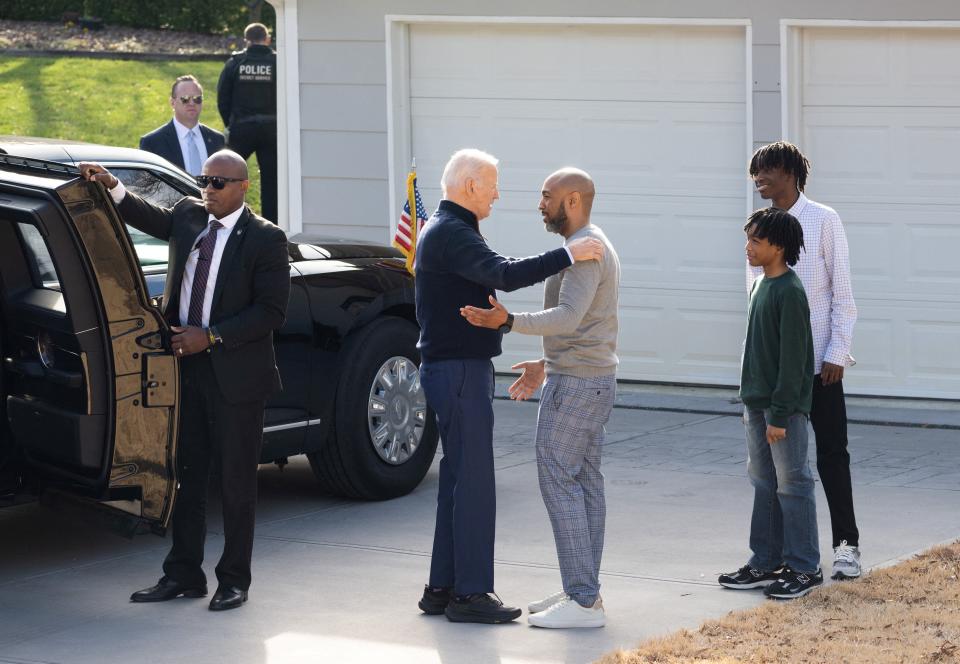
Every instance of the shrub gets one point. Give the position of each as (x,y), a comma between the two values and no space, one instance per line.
(225,16)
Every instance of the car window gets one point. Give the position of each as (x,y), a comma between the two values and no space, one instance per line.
(42,268)
(150,250)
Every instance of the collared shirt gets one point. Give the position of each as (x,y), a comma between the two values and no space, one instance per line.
(182,132)
(824,269)
(186,286)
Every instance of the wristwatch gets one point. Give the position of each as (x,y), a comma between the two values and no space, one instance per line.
(213,336)
(506,327)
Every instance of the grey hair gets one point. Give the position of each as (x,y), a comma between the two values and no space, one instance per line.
(464,164)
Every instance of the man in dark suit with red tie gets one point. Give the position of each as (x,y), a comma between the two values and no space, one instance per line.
(227,287)
(184,141)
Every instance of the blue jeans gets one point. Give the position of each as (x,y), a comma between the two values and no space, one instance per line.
(783,528)
(460,392)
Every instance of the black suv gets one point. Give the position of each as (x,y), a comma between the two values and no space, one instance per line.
(90,389)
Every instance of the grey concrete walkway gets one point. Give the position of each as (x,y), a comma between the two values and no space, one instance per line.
(336,581)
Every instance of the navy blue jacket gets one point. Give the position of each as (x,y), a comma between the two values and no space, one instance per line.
(455,268)
(163,141)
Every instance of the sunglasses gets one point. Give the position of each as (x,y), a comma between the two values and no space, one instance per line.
(217,181)
(196,100)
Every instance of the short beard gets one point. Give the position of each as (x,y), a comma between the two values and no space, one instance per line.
(557,223)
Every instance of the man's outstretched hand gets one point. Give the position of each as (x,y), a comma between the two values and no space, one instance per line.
(491,318)
(586,249)
(529,381)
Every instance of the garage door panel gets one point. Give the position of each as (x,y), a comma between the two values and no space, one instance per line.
(667,145)
(903,252)
(897,67)
(932,265)
(660,332)
(698,247)
(901,349)
(885,154)
(565,62)
(874,347)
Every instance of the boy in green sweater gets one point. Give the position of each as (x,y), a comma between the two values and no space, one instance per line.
(776,386)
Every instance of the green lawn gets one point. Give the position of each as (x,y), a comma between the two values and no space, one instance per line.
(113,102)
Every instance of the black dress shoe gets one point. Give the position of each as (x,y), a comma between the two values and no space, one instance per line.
(435,600)
(167,589)
(228,597)
(480,608)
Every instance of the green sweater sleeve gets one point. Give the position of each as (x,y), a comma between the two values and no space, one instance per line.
(787,395)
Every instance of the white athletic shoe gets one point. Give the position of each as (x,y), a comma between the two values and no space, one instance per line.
(546,602)
(846,561)
(567,613)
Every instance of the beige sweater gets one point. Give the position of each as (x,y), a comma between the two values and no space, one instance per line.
(579,318)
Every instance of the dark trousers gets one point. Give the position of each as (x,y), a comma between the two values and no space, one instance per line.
(245,138)
(460,392)
(828,415)
(232,433)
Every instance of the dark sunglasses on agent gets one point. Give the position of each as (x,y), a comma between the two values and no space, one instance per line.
(198,99)
(217,181)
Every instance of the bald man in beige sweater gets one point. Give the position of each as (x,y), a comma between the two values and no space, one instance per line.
(578,324)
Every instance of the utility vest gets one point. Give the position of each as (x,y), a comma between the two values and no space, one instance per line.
(255,85)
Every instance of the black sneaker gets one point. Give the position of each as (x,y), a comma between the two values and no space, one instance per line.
(480,608)
(747,577)
(794,584)
(434,600)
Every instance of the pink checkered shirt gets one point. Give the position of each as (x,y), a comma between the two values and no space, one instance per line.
(824,269)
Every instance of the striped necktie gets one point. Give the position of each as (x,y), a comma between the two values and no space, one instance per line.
(199,289)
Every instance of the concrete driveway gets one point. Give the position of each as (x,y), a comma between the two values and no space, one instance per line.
(338,581)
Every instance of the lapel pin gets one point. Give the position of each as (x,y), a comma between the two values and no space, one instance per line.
(239,231)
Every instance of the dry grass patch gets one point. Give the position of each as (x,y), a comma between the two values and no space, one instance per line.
(906,613)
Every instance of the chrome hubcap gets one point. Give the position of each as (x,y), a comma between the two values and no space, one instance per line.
(396,410)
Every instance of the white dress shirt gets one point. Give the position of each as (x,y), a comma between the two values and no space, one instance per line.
(824,269)
(184,149)
(186,286)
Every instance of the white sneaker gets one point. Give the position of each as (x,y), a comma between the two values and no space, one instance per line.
(546,602)
(567,613)
(846,561)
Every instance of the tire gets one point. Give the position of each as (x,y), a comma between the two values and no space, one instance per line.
(384,437)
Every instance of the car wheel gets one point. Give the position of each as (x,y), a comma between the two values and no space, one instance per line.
(383,437)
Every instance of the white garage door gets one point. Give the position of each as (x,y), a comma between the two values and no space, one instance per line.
(657,115)
(880,120)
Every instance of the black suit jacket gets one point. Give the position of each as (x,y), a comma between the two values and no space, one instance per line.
(249,298)
(163,141)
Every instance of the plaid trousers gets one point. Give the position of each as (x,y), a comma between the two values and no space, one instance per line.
(570,429)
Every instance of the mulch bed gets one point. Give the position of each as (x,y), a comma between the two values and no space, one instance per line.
(46,36)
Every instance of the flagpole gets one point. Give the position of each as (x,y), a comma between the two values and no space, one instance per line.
(412,202)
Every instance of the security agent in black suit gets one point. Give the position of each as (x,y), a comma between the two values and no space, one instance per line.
(247,101)
(227,287)
(170,140)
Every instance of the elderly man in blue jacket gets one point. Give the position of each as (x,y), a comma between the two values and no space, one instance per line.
(455,267)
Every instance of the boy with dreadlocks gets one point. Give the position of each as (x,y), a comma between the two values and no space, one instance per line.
(776,383)
(780,171)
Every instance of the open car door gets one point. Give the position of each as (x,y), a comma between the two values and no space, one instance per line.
(90,392)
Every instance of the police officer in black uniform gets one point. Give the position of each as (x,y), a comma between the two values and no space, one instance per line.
(247,101)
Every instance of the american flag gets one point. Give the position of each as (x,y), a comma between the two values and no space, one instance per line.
(406,238)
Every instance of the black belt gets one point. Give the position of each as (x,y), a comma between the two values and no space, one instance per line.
(255,118)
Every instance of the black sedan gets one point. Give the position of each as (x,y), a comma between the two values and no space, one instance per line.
(89,391)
